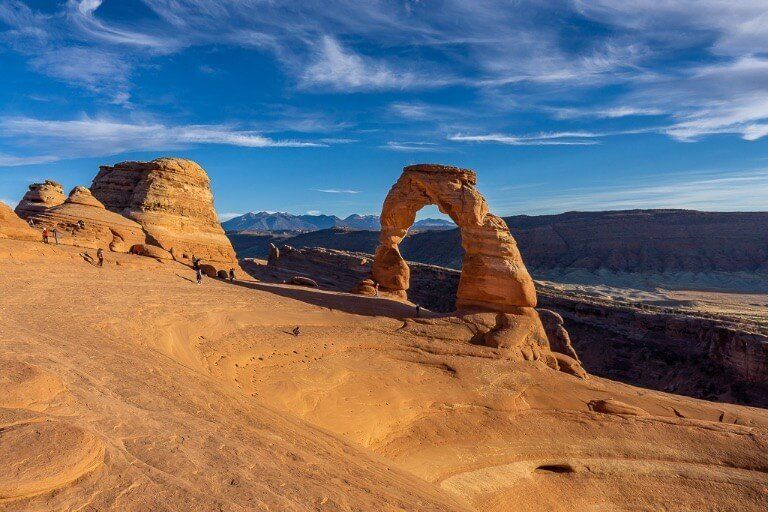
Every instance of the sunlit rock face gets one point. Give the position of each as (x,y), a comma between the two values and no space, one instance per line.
(493,275)
(11,226)
(83,221)
(171,198)
(39,198)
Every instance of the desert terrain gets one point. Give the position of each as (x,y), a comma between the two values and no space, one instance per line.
(133,388)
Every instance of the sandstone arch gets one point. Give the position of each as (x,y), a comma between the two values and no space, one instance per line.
(493,275)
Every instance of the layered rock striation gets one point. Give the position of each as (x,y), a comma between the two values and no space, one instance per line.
(84,222)
(171,199)
(39,198)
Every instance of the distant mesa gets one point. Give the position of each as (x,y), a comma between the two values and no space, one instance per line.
(83,221)
(39,198)
(172,200)
(280,221)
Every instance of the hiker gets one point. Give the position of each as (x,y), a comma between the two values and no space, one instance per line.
(199,275)
(376,286)
(56,235)
(418,310)
(31,223)
(100,256)
(296,331)
(195,262)
(231,275)
(81,224)
(45,235)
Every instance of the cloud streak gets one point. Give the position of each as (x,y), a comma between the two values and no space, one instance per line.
(97,137)
(336,191)
(739,191)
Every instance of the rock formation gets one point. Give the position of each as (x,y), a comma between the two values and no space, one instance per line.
(11,226)
(171,198)
(84,222)
(39,198)
(493,274)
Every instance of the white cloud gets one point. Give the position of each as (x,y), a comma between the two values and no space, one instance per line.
(343,70)
(413,147)
(95,137)
(336,191)
(545,139)
(314,212)
(16,161)
(714,191)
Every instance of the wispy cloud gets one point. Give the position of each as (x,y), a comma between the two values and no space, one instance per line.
(715,191)
(95,137)
(413,147)
(15,161)
(342,69)
(547,139)
(336,191)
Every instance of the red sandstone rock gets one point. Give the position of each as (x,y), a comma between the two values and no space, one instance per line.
(171,198)
(11,226)
(84,222)
(39,198)
(493,274)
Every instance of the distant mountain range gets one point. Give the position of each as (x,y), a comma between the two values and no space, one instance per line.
(279,221)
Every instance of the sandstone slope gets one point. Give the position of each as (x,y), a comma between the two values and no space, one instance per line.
(11,226)
(83,221)
(150,392)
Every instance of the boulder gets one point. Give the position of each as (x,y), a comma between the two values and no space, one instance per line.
(303,281)
(151,251)
(611,406)
(365,287)
(493,276)
(39,198)
(559,339)
(84,222)
(208,270)
(12,226)
(222,274)
(172,201)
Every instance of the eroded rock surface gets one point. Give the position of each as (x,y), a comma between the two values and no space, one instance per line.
(84,222)
(171,198)
(11,226)
(39,198)
(493,274)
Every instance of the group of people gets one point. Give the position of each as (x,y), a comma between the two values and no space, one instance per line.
(54,233)
(199,270)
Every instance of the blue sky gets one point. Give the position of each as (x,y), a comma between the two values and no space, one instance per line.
(315,106)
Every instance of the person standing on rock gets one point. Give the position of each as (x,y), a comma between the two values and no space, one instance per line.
(376,288)
(45,235)
(231,275)
(56,235)
(199,275)
(100,256)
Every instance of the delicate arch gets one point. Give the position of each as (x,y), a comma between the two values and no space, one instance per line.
(493,276)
